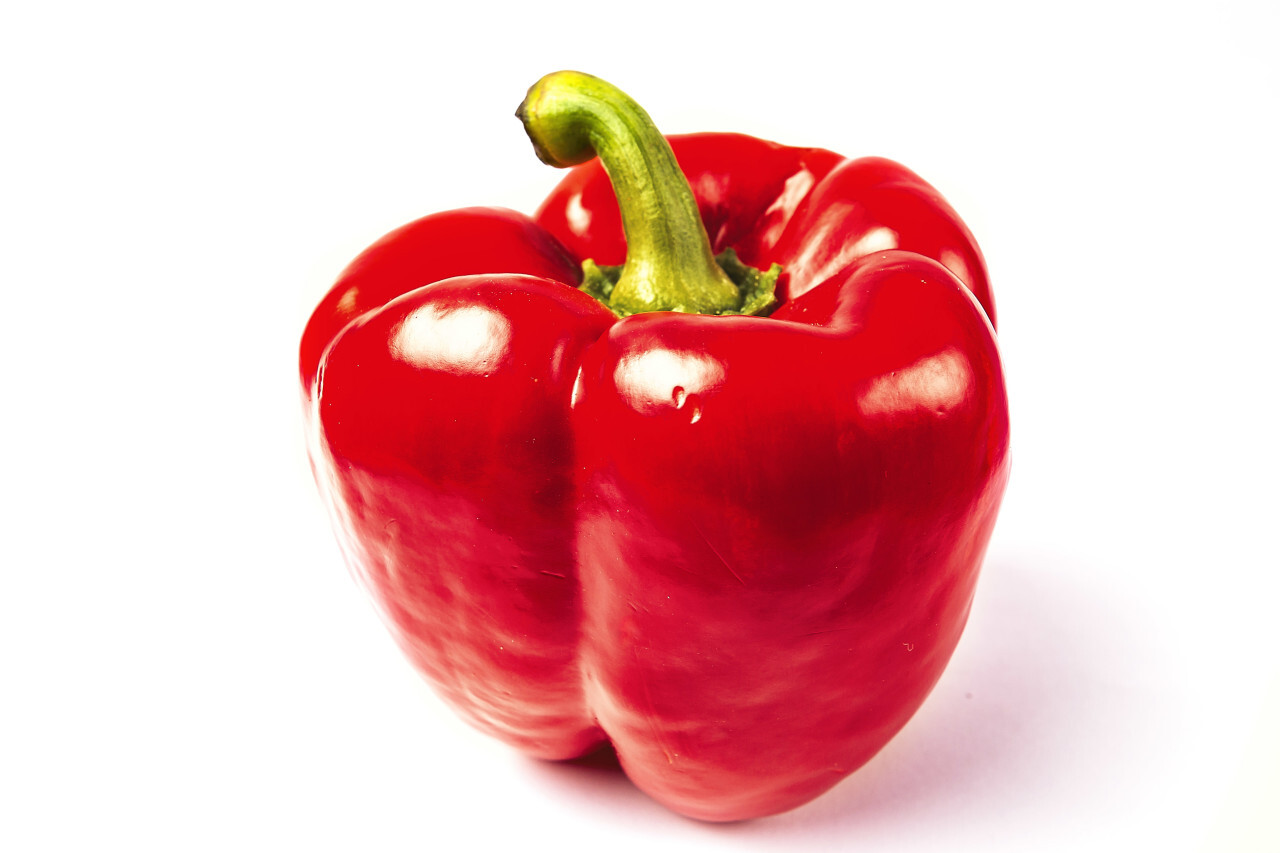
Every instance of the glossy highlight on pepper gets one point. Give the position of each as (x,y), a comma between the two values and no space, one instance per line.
(736,539)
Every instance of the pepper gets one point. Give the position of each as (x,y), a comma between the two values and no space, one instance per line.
(610,484)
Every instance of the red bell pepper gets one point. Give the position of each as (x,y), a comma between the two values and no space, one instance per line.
(739,549)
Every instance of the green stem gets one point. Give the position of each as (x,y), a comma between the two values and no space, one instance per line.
(572,117)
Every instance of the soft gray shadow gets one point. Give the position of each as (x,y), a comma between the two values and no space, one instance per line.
(598,779)
(1004,724)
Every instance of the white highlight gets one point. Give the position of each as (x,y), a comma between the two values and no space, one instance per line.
(937,383)
(470,339)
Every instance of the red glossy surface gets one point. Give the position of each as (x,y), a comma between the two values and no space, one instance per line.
(782,525)
(741,549)
(445,448)
(433,248)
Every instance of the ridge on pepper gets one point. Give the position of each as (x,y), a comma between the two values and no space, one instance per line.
(700,461)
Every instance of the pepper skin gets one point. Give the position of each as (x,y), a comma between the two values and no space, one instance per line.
(740,549)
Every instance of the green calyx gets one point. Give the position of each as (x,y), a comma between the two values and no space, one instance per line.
(571,117)
(755,287)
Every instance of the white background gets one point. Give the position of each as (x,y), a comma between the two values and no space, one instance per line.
(184,663)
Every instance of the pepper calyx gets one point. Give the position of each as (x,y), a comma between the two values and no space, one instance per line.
(756,287)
